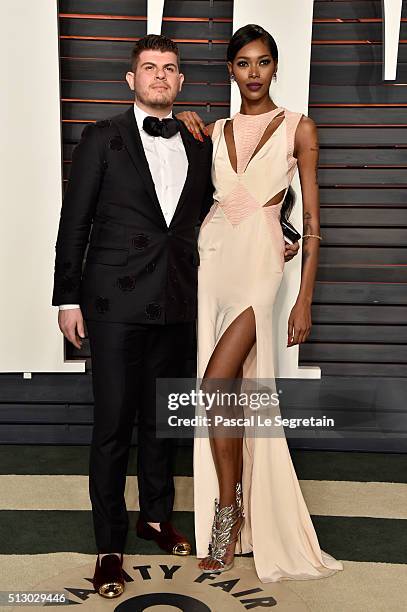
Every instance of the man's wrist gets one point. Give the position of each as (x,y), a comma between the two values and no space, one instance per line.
(68,306)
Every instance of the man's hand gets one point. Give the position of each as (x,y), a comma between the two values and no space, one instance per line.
(291,250)
(71,325)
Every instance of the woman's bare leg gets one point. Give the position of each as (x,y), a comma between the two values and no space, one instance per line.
(226,363)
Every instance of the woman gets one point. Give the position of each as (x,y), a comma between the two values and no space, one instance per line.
(241,245)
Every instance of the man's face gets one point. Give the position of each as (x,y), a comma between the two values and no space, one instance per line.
(156,79)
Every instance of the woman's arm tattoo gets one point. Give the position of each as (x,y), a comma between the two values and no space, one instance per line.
(307,223)
(307,229)
(315,148)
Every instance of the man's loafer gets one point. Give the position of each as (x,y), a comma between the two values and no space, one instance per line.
(108,580)
(169,539)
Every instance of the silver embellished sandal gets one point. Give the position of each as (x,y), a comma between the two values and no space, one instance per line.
(224,521)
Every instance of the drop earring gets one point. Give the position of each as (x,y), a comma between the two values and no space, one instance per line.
(232,78)
(275,76)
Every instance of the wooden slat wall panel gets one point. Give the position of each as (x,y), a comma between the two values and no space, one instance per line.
(132,28)
(382,370)
(359,114)
(362,256)
(199,8)
(358,74)
(173,8)
(133,8)
(349,93)
(354,9)
(327,292)
(374,273)
(359,314)
(96,38)
(351,53)
(349,32)
(369,197)
(121,49)
(360,300)
(362,137)
(81,56)
(370,157)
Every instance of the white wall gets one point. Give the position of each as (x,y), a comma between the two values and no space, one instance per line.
(155,9)
(391,17)
(30,188)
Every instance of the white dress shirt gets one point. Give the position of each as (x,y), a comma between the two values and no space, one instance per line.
(168,164)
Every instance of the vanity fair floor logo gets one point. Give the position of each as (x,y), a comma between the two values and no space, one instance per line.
(164,583)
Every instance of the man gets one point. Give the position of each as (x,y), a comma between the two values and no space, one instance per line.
(139,185)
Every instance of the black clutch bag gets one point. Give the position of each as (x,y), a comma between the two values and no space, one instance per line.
(290,233)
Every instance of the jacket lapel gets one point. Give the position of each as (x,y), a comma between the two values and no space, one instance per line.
(130,134)
(191,149)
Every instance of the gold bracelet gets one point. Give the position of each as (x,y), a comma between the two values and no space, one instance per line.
(312,236)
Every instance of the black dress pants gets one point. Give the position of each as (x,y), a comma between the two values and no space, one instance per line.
(126,360)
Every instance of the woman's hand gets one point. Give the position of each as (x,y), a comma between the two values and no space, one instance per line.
(194,124)
(291,251)
(299,322)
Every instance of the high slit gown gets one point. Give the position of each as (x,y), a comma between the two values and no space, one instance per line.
(241,247)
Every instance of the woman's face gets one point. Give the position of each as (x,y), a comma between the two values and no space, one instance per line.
(253,68)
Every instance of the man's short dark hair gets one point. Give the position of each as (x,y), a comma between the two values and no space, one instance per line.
(154,42)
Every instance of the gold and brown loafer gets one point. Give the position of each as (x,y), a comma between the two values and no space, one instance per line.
(169,539)
(108,580)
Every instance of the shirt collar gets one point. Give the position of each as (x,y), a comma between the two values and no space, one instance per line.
(140,115)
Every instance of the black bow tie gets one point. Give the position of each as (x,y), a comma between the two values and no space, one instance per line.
(160,127)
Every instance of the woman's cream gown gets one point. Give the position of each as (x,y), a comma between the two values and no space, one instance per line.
(241,248)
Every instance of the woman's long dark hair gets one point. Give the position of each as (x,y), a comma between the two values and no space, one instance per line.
(243,36)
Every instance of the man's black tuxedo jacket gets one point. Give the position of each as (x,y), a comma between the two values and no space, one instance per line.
(137,269)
